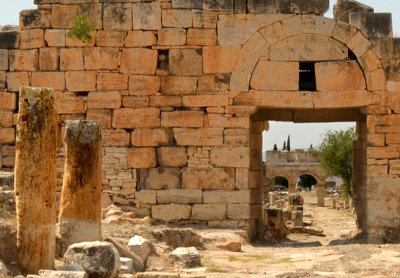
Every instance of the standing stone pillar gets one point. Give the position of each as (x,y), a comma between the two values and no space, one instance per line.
(320,195)
(80,208)
(35,179)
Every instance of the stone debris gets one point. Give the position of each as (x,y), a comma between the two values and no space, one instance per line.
(141,247)
(62,274)
(98,259)
(138,264)
(185,257)
(230,245)
(3,268)
(126,265)
(6,180)
(176,237)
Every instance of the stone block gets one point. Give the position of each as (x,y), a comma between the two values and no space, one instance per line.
(31,19)
(229,197)
(117,16)
(275,76)
(177,18)
(178,85)
(205,100)
(141,85)
(55,80)
(230,157)
(218,120)
(72,41)
(136,118)
(208,178)
(170,101)
(112,81)
(147,137)
(9,39)
(339,76)
(63,16)
(179,196)
(161,178)
(55,37)
(236,137)
(15,80)
(146,197)
(185,62)
(7,135)
(140,38)
(110,38)
(172,156)
(342,9)
(318,7)
(373,25)
(139,61)
(220,59)
(202,37)
(48,59)
(81,81)
(104,100)
(3,80)
(343,32)
(135,102)
(101,115)
(376,80)
(115,138)
(24,60)
(3,59)
(6,118)
(198,136)
(101,58)
(146,16)
(205,19)
(359,44)
(238,211)
(171,212)
(213,84)
(32,39)
(242,178)
(172,36)
(69,103)
(390,152)
(71,59)
(182,119)
(142,157)
(209,212)
(391,138)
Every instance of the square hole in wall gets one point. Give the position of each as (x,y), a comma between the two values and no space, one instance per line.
(307,81)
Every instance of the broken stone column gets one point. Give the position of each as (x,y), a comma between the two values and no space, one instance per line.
(80,208)
(320,195)
(35,178)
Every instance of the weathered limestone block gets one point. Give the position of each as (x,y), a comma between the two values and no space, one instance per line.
(141,85)
(205,101)
(146,197)
(171,212)
(71,59)
(209,212)
(230,197)
(230,157)
(238,211)
(135,102)
(220,59)
(208,178)
(142,158)
(202,37)
(161,178)
(182,119)
(172,156)
(185,62)
(70,103)
(81,81)
(177,18)
(205,19)
(139,61)
(185,257)
(343,8)
(110,38)
(80,207)
(7,135)
(55,80)
(24,60)
(178,85)
(318,7)
(98,58)
(373,25)
(111,81)
(48,59)
(55,37)
(116,138)
(220,5)
(146,137)
(30,19)
(33,38)
(3,59)
(199,136)
(180,196)
(172,36)
(136,118)
(9,39)
(213,84)
(6,118)
(146,16)
(140,38)
(3,80)
(308,47)
(63,16)
(35,179)
(117,16)
(339,76)
(275,76)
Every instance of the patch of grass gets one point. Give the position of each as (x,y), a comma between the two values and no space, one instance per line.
(215,269)
(398,256)
(248,258)
(282,261)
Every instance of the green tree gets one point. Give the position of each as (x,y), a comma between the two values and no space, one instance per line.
(288,143)
(337,156)
(275,147)
(284,146)
(307,181)
(281,181)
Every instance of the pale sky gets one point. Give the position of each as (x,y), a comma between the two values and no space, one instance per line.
(302,135)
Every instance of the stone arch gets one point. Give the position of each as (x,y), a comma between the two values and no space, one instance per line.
(258,47)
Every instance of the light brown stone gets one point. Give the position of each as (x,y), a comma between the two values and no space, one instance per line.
(24,60)
(205,19)
(146,16)
(110,38)
(55,37)
(208,178)
(220,59)
(48,59)
(111,81)
(179,196)
(80,207)
(32,39)
(172,36)
(116,138)
(6,118)
(202,37)
(177,18)
(139,61)
(228,197)
(136,118)
(117,16)
(198,136)
(172,156)
(71,59)
(140,38)
(15,80)
(81,81)
(69,103)
(209,212)
(205,100)
(101,100)
(242,178)
(7,135)
(213,84)
(146,137)
(101,115)
(141,85)
(55,80)
(35,179)
(101,58)
(182,119)
(178,85)
(172,101)
(161,178)
(135,102)
(142,157)
(230,157)
(218,120)
(185,62)
(276,76)
(238,211)
(171,212)
(146,197)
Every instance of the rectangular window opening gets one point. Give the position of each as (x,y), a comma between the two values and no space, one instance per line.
(307,80)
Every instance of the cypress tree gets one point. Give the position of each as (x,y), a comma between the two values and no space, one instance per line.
(275,147)
(288,143)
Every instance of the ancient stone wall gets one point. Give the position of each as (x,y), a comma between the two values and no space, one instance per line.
(183,89)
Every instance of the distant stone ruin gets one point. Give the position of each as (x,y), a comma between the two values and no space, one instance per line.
(184,88)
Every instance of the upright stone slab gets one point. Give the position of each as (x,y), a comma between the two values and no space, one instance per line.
(320,195)
(35,178)
(80,209)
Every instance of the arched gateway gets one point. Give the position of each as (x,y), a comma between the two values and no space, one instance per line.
(184,89)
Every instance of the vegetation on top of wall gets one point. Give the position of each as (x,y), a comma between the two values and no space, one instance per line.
(81,30)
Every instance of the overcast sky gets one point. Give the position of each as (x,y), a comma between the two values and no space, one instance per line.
(302,135)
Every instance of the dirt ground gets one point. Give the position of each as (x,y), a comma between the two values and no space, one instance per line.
(338,254)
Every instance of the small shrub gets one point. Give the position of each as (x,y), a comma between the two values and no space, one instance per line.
(81,30)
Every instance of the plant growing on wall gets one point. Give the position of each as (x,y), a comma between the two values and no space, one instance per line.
(275,147)
(81,30)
